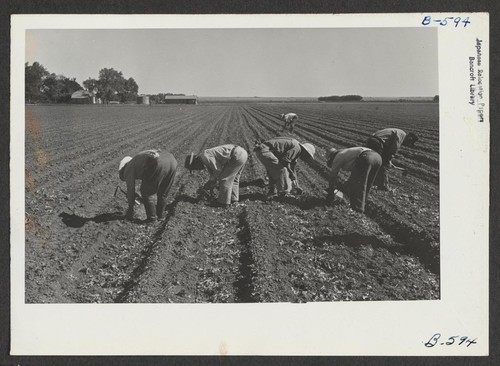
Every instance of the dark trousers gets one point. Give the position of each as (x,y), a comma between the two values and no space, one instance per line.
(158,179)
(382,178)
(362,177)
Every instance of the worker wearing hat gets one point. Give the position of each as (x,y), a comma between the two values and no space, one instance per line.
(363,163)
(279,156)
(156,170)
(290,119)
(225,164)
(387,143)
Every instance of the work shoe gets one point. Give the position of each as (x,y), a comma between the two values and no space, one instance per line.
(285,195)
(272,191)
(218,204)
(357,209)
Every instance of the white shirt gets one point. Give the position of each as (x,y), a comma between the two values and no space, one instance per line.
(215,158)
(290,116)
(345,160)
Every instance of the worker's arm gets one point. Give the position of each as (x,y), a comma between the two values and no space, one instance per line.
(210,163)
(391,165)
(130,180)
(391,147)
(290,154)
(337,164)
(291,170)
(209,185)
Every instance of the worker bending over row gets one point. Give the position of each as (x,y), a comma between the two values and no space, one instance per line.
(368,166)
(363,163)
(279,157)
(224,164)
(289,120)
(156,171)
(387,143)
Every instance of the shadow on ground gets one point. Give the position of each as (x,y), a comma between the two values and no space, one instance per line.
(356,240)
(260,183)
(76,221)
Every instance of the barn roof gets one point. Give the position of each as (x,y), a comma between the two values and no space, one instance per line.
(181,97)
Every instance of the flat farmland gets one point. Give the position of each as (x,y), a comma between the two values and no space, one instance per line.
(79,248)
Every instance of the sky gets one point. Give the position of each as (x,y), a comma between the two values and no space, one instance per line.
(279,62)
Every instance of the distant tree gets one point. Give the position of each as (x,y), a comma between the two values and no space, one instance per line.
(153,99)
(71,84)
(91,85)
(111,84)
(436,98)
(130,91)
(58,88)
(50,88)
(33,82)
(341,98)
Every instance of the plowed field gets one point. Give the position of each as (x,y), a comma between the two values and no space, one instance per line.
(80,249)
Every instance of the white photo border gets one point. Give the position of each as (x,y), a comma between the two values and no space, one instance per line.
(343,328)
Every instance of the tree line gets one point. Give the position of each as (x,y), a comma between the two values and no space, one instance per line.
(341,98)
(41,86)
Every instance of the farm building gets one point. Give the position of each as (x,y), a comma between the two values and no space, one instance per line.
(143,99)
(83,97)
(181,99)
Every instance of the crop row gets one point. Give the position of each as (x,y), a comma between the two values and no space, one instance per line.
(79,249)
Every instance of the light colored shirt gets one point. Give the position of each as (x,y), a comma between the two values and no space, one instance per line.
(285,148)
(344,160)
(391,146)
(290,116)
(215,158)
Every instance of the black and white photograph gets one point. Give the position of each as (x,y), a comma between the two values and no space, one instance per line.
(283,168)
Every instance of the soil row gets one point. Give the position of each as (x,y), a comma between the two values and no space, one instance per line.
(79,248)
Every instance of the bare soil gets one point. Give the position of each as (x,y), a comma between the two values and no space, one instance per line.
(79,248)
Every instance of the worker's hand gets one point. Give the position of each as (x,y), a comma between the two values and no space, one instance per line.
(154,154)
(258,145)
(204,194)
(334,196)
(209,186)
(298,190)
(292,176)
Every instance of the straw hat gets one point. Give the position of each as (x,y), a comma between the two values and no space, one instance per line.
(309,148)
(123,162)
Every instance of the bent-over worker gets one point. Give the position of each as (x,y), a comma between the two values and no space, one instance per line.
(279,156)
(156,170)
(387,143)
(363,163)
(290,119)
(224,164)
